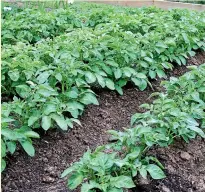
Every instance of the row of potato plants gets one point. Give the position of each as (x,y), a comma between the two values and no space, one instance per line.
(178,112)
(51,81)
(33,24)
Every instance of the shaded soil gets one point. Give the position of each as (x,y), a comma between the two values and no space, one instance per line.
(56,150)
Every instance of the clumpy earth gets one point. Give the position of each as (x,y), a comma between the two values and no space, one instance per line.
(56,150)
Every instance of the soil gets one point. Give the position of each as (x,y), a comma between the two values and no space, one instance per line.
(56,150)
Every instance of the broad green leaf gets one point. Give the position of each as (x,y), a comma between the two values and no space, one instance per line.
(143,85)
(110,84)
(49,108)
(141,76)
(72,94)
(61,122)
(89,98)
(148,59)
(86,187)
(28,147)
(155,171)
(100,80)
(31,134)
(161,44)
(43,77)
(68,171)
(14,75)
(114,189)
(90,77)
(197,130)
(75,180)
(59,77)
(152,74)
(46,122)
(112,63)
(23,90)
(32,120)
(118,73)
(186,39)
(11,145)
(122,182)
(119,89)
(143,172)
(161,73)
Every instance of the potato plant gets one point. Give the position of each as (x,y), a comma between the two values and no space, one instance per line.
(179,112)
(49,72)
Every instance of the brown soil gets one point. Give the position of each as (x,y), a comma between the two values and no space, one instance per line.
(56,150)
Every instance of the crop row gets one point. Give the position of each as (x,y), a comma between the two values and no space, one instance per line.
(178,112)
(32,25)
(50,82)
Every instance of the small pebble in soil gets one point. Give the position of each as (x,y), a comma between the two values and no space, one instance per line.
(48,179)
(165,189)
(185,156)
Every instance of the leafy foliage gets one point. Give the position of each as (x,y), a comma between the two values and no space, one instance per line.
(179,112)
(51,60)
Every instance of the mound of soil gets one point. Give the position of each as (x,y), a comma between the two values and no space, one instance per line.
(56,150)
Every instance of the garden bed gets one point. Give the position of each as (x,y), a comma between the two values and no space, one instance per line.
(57,150)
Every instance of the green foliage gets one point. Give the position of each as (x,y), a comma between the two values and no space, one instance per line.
(51,60)
(179,112)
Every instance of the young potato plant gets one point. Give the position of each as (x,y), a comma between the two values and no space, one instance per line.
(179,112)
(52,80)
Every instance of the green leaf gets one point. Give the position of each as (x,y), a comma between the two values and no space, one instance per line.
(112,63)
(155,171)
(32,120)
(90,77)
(23,90)
(152,74)
(161,73)
(197,130)
(14,75)
(3,164)
(100,80)
(114,189)
(143,85)
(161,44)
(28,147)
(11,145)
(61,122)
(122,182)
(183,60)
(31,134)
(118,73)
(186,39)
(46,122)
(110,84)
(75,180)
(86,187)
(59,77)
(68,171)
(3,149)
(143,172)
(119,89)
(72,94)
(89,98)
(49,108)
(43,77)
(141,76)
(148,59)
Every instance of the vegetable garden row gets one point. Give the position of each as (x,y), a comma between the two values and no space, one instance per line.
(54,59)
